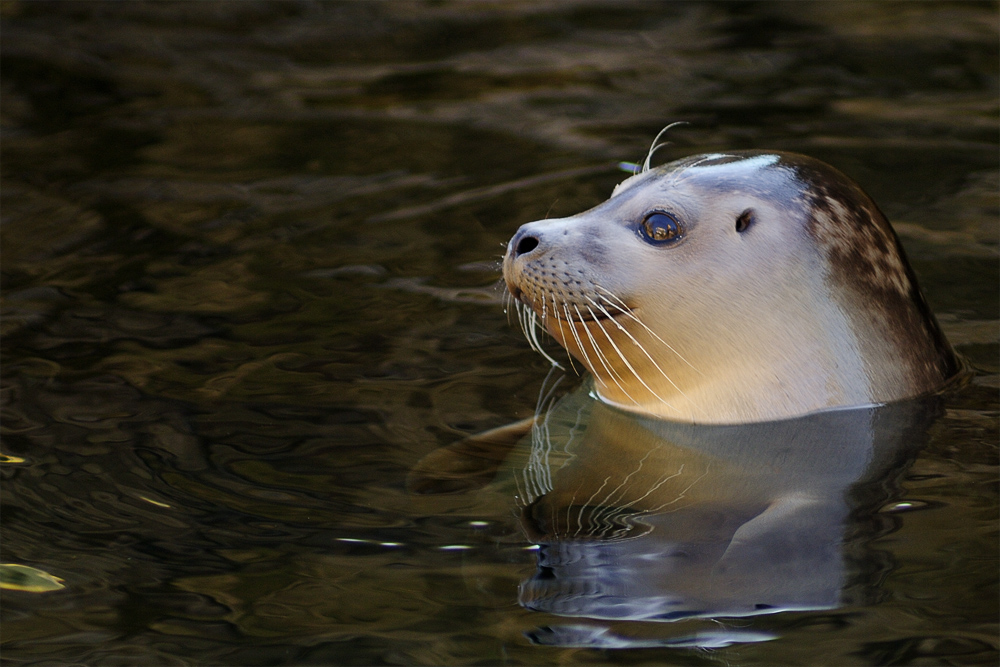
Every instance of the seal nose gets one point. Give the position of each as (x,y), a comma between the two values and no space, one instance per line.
(525,244)
(524,241)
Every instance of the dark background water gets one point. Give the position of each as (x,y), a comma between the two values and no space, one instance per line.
(249,257)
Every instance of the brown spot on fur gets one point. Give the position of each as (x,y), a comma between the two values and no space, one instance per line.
(865,256)
(860,240)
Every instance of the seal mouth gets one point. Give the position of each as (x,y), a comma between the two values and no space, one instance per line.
(603,316)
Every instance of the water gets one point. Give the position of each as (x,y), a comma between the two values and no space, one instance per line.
(249,261)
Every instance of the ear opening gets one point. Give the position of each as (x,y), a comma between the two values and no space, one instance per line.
(745,220)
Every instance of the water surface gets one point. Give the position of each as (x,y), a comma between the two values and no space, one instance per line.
(250,261)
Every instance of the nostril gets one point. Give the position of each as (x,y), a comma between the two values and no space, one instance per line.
(525,245)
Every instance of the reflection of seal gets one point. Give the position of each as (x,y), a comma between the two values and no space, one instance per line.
(713,520)
(732,288)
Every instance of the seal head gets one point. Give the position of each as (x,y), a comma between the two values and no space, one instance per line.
(732,288)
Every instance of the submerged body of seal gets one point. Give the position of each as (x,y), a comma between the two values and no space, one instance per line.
(733,288)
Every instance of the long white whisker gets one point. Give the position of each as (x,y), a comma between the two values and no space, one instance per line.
(643,349)
(522,317)
(593,343)
(533,330)
(600,357)
(530,328)
(623,307)
(625,361)
(559,321)
(576,336)
(526,315)
(654,146)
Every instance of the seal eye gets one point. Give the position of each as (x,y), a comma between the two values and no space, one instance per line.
(660,228)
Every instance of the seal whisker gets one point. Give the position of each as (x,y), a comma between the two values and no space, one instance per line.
(653,147)
(614,375)
(529,326)
(534,332)
(576,336)
(529,319)
(625,361)
(617,350)
(555,314)
(512,305)
(524,318)
(643,350)
(521,317)
(623,307)
(531,333)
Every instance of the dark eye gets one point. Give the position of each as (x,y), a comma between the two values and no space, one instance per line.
(660,228)
(744,221)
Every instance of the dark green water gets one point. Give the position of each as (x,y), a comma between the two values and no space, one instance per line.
(249,253)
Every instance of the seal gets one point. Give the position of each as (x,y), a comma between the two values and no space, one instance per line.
(731,288)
